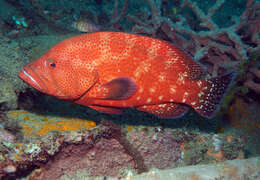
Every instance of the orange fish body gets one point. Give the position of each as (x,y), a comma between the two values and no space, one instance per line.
(110,71)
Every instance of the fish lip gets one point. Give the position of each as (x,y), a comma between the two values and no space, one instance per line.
(28,75)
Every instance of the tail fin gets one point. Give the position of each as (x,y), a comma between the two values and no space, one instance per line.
(212,92)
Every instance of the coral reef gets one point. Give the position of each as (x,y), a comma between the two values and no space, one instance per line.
(10,55)
(89,158)
(8,98)
(57,140)
(251,83)
(224,47)
(153,146)
(244,117)
(57,146)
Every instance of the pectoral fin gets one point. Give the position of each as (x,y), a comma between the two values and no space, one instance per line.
(117,89)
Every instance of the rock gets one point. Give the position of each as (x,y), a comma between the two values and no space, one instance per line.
(8,97)
(232,170)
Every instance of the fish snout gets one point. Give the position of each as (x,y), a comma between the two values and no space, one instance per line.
(31,77)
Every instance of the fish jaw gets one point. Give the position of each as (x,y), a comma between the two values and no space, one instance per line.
(29,75)
(35,76)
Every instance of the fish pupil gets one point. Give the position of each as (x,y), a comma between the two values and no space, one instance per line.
(53,65)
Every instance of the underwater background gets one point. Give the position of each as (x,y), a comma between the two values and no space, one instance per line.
(42,137)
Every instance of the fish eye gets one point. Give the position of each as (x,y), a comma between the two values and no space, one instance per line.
(53,65)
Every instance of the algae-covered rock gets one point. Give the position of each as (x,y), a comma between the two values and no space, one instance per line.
(65,145)
(11,61)
(14,54)
(8,97)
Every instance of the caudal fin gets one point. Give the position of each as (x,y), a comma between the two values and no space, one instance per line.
(212,92)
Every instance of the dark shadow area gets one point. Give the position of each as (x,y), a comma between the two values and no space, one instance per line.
(47,105)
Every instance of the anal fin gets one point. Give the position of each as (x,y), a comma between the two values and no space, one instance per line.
(166,110)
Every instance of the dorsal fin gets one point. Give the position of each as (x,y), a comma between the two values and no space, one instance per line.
(186,65)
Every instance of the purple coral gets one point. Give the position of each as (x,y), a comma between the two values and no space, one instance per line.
(106,158)
(158,150)
(6,136)
(250,83)
(219,47)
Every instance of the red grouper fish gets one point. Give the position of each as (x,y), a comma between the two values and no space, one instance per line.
(110,71)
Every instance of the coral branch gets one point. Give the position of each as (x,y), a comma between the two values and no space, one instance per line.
(115,19)
(223,47)
(250,83)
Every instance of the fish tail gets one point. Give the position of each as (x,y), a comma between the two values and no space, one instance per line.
(211,94)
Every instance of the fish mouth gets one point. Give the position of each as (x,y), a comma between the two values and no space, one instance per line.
(28,75)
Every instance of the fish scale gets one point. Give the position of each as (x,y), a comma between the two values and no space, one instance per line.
(110,71)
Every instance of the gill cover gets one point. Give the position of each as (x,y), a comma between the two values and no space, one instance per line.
(73,78)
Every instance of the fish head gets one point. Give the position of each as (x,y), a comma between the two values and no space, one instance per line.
(60,73)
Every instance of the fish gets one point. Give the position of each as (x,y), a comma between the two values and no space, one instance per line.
(112,71)
(84,25)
